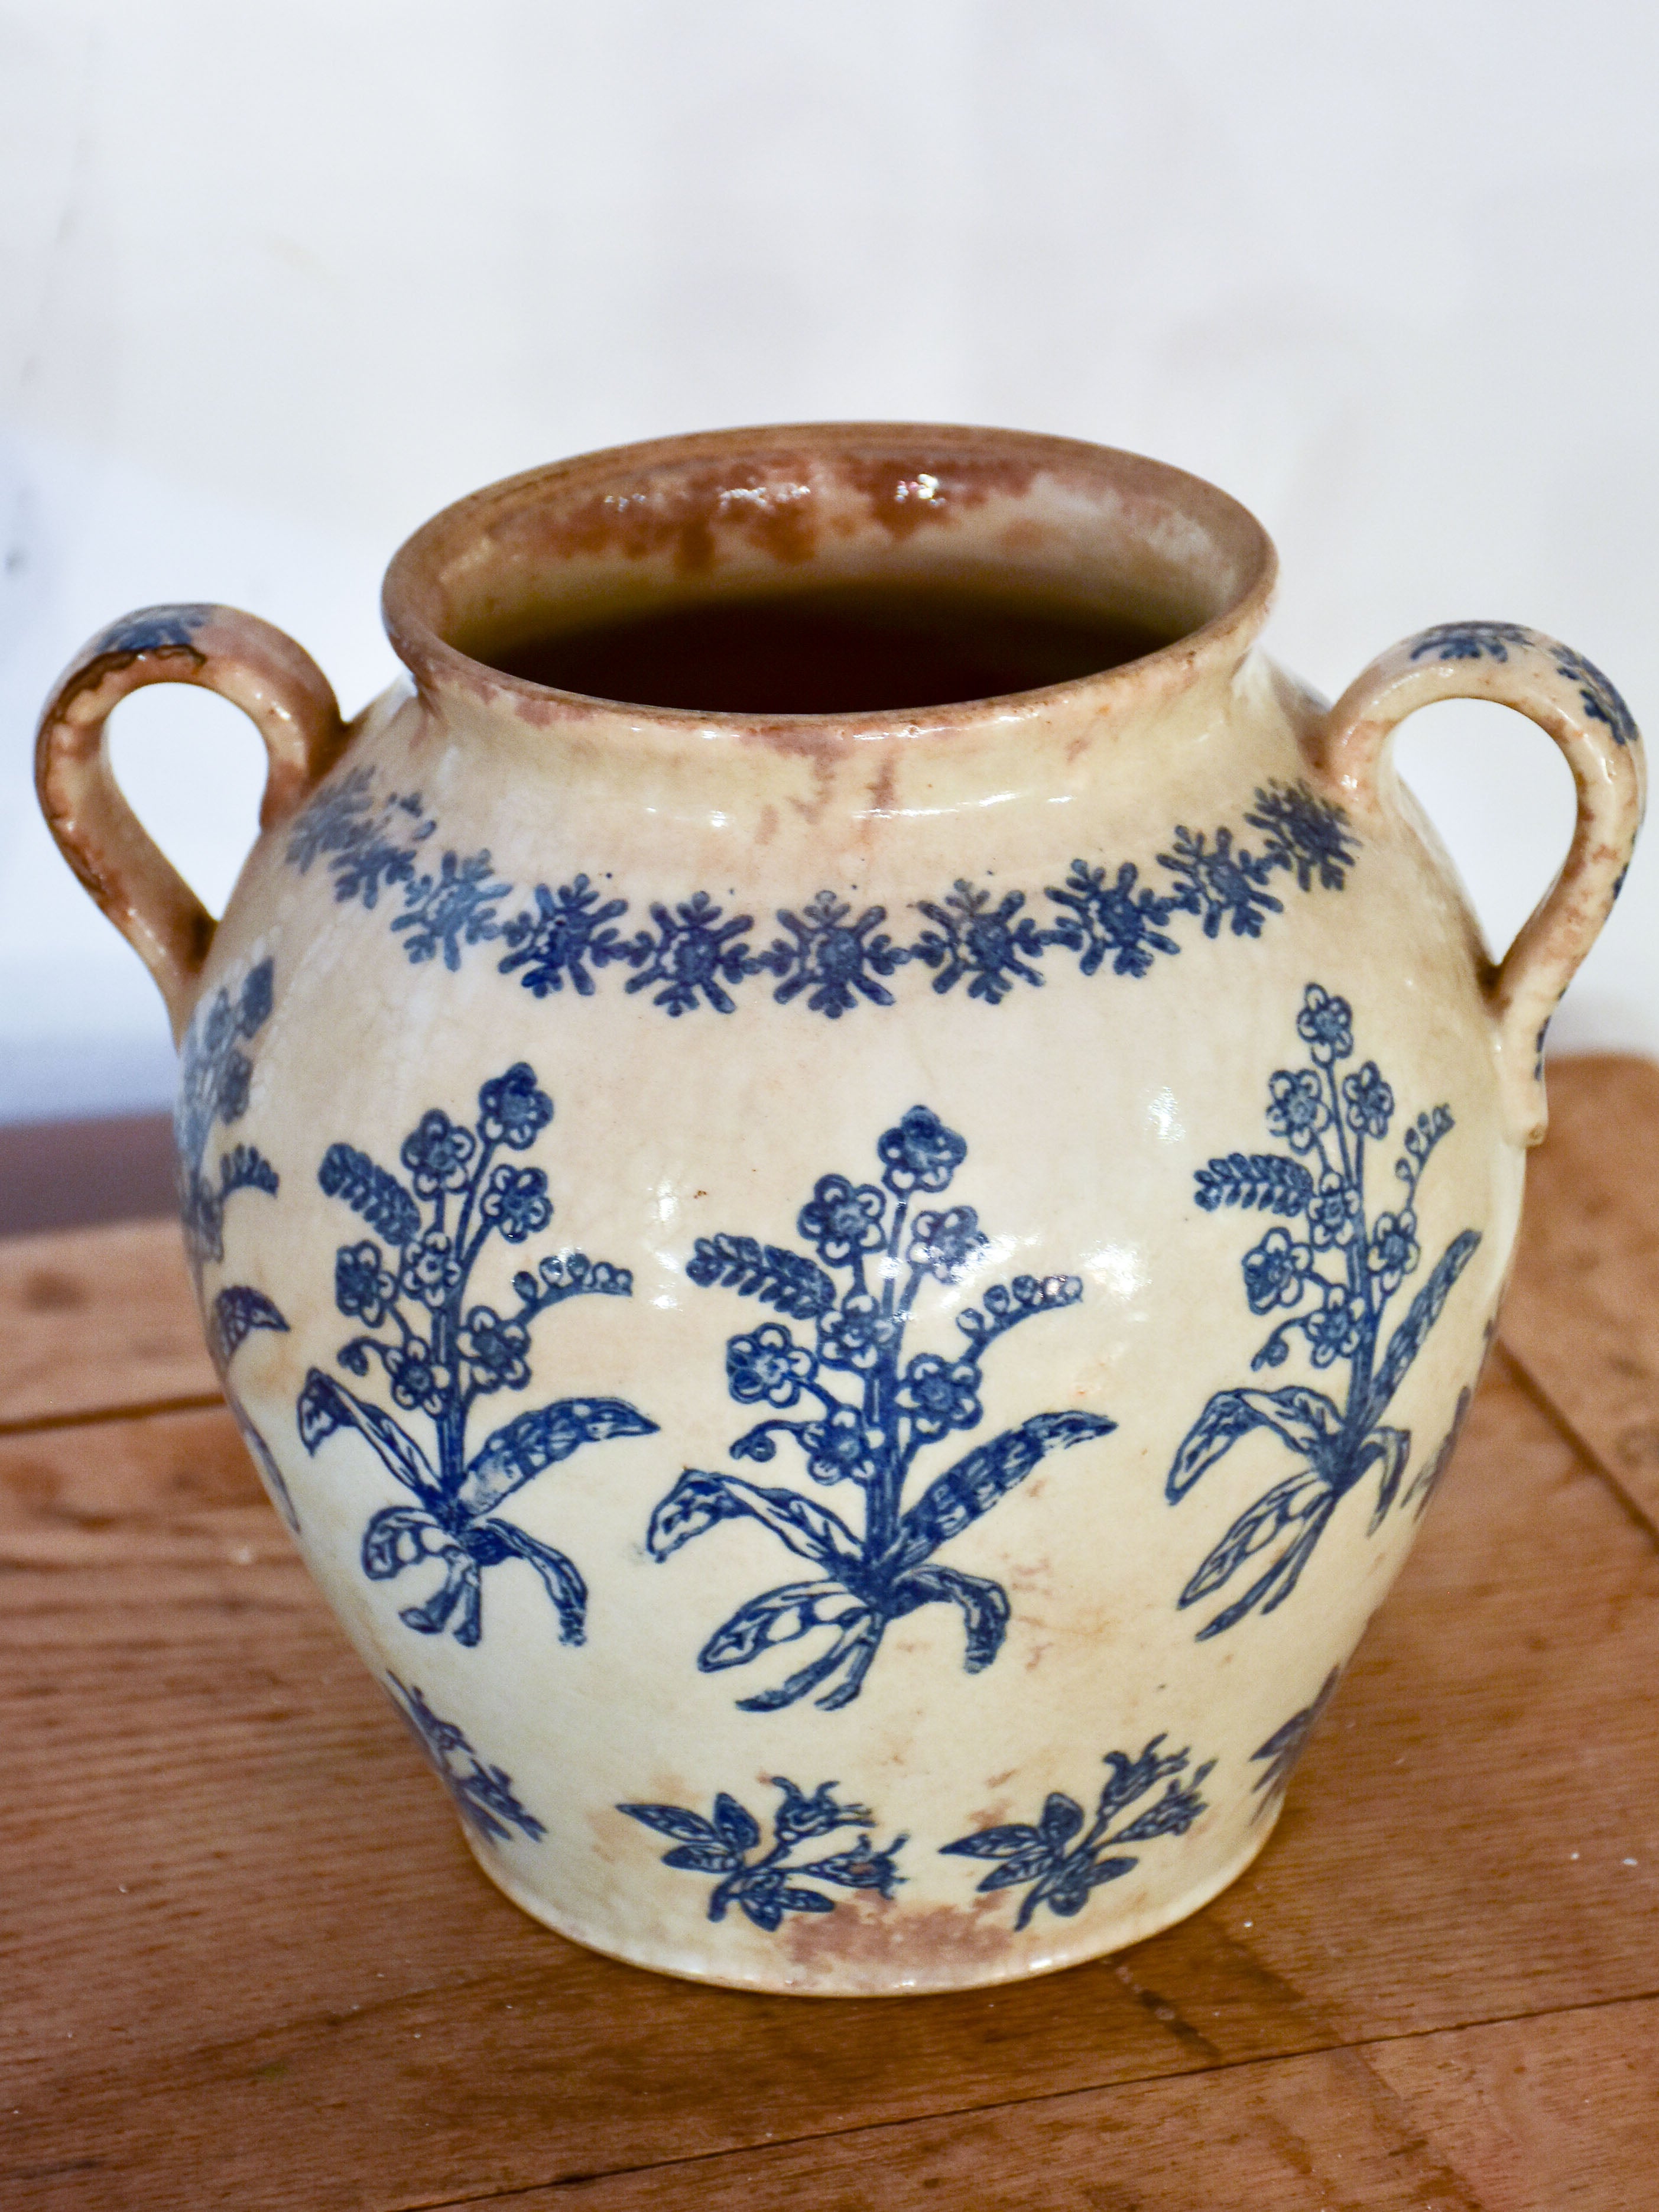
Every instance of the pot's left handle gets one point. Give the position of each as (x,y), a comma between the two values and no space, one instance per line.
(257,668)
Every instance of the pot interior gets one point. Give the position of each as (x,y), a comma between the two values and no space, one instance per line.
(844,569)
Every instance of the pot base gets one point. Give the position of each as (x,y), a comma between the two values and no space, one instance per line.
(846,1977)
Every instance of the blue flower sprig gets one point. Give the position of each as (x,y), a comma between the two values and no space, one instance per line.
(764,1885)
(1329,1281)
(861,1411)
(442,1351)
(1059,1862)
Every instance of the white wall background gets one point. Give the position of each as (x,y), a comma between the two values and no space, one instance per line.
(276,281)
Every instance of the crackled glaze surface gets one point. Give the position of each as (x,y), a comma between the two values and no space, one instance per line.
(798,1062)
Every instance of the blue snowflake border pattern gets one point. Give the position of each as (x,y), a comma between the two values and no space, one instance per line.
(831,957)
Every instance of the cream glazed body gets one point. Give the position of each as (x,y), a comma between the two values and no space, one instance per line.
(617,1142)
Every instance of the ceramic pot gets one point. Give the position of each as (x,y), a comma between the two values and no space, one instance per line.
(853,1310)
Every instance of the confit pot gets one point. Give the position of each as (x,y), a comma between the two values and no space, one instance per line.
(769,1618)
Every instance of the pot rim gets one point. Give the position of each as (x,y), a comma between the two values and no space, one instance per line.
(456,540)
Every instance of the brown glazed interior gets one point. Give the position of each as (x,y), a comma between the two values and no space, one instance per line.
(870,512)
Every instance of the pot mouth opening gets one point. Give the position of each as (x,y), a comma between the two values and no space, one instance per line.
(861,574)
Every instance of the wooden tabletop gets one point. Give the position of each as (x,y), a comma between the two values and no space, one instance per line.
(248,1962)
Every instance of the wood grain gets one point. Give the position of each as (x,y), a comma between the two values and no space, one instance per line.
(96,1318)
(1455,2122)
(1583,1313)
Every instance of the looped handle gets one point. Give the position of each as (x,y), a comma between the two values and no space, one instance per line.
(1569,697)
(257,668)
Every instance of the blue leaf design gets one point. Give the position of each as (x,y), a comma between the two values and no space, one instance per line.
(400,1536)
(1391,1449)
(787,1281)
(516,1453)
(1266,1180)
(1008,1839)
(698,1500)
(803,1900)
(1268,1519)
(559,1577)
(369,1190)
(849,1656)
(325,1406)
(266,1463)
(696,1858)
(1300,1497)
(739,1830)
(778,1616)
(984,1606)
(1305,1419)
(957,1498)
(237,1311)
(1062,1816)
(1407,1340)
(672,1821)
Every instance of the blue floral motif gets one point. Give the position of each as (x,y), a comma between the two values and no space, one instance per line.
(368,848)
(442,1354)
(1060,1864)
(1297,1110)
(483,1795)
(831,958)
(1104,914)
(214,1077)
(1337,1287)
(1369,1102)
(154,630)
(1306,833)
(1429,1476)
(841,1218)
(1470,641)
(454,907)
(1222,881)
(215,1083)
(696,949)
(994,944)
(766,1887)
(1276,1272)
(921,1153)
(1285,1747)
(1597,695)
(767,1364)
(877,1414)
(561,935)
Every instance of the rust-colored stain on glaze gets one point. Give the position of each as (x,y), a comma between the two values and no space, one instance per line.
(682,515)
(907,495)
(932,1947)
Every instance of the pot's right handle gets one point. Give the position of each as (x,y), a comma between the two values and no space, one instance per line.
(1566,695)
